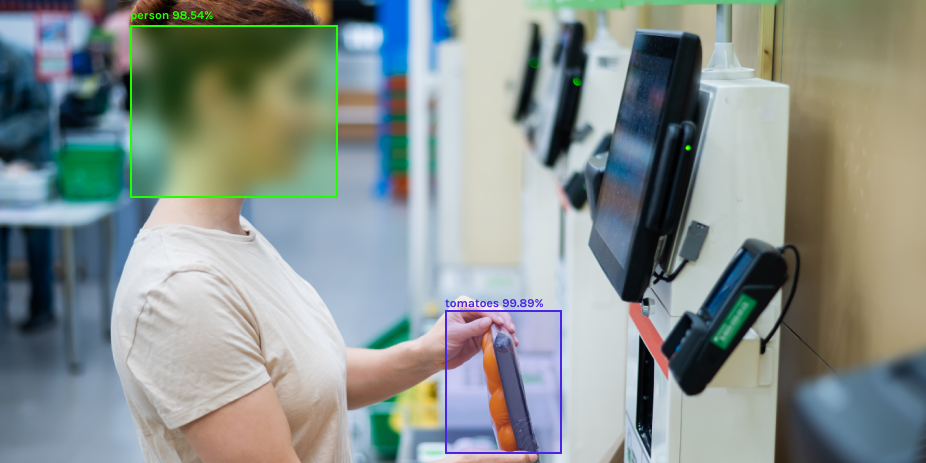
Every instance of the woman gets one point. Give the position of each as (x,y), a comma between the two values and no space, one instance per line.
(224,352)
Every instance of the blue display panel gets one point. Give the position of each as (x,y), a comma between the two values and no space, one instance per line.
(732,278)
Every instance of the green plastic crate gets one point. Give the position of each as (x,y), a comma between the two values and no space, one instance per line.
(90,172)
(384,439)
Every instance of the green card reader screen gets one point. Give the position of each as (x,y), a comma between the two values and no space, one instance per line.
(731,324)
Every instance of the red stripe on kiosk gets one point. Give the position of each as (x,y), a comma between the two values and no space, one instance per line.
(650,337)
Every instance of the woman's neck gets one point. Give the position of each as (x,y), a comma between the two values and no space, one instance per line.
(212,213)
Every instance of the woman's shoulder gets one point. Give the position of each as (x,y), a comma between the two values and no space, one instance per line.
(158,255)
(166,270)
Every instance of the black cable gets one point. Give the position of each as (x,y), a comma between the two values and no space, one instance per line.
(668,278)
(784,310)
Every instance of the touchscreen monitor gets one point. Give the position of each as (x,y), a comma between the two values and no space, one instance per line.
(524,104)
(661,88)
(555,132)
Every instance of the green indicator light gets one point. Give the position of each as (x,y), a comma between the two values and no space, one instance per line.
(577,81)
(687,147)
(534,63)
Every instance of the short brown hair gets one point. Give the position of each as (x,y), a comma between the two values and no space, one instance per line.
(226,12)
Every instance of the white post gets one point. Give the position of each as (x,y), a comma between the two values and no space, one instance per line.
(724,24)
(723,64)
(419,272)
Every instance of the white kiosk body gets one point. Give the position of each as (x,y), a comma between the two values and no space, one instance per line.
(592,311)
(738,190)
(539,203)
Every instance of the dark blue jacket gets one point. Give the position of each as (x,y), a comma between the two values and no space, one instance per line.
(24,108)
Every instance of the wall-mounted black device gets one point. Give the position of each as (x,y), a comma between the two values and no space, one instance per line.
(700,343)
(650,160)
(594,172)
(524,103)
(576,188)
(874,414)
(555,133)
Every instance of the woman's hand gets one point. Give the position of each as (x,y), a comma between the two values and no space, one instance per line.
(485,458)
(464,331)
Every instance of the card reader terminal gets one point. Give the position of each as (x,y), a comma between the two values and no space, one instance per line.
(700,343)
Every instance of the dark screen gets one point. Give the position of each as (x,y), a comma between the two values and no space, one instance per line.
(632,151)
(740,265)
(553,91)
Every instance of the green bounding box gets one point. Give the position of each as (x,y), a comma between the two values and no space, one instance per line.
(233,110)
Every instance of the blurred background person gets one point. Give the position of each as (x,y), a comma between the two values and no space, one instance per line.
(118,24)
(24,144)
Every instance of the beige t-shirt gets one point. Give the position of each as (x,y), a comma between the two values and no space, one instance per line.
(202,318)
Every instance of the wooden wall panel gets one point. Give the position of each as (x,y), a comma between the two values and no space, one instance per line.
(697,19)
(856,191)
(623,24)
(797,363)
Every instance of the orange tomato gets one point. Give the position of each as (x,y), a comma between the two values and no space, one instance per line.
(498,408)
(506,440)
(489,364)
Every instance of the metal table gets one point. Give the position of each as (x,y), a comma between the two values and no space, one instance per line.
(66,216)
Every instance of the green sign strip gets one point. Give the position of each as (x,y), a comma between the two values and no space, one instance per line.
(733,321)
(577,4)
(619,4)
(698,2)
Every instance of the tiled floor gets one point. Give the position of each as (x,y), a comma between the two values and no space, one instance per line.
(352,249)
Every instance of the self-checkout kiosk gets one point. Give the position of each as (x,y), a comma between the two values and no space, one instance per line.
(592,311)
(562,131)
(547,130)
(692,192)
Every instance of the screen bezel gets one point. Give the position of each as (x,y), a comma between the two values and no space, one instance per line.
(569,62)
(529,79)
(681,104)
(735,289)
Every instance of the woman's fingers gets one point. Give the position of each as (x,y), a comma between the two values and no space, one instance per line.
(509,322)
(499,318)
(469,349)
(472,329)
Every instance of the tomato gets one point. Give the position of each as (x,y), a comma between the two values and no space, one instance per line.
(489,364)
(499,409)
(506,439)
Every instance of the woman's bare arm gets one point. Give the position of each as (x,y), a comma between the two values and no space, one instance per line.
(252,429)
(376,375)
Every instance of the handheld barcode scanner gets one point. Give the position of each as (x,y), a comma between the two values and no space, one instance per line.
(700,343)
(554,132)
